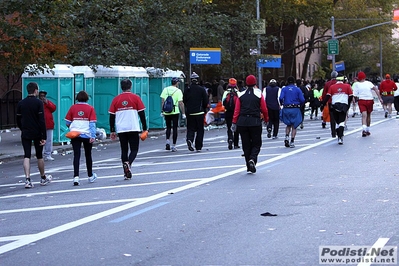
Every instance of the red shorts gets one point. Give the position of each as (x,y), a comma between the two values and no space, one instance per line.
(366,105)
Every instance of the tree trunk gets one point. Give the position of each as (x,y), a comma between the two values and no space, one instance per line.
(308,52)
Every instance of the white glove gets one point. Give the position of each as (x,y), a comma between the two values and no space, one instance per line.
(183,116)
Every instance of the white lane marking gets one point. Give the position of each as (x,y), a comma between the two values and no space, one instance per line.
(97,188)
(11,238)
(65,206)
(136,174)
(380,243)
(62,228)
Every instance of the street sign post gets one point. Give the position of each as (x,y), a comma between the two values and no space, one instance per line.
(333,47)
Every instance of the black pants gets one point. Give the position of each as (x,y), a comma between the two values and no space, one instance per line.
(172,120)
(251,140)
(339,117)
(228,117)
(274,121)
(315,110)
(87,146)
(195,125)
(129,140)
(396,103)
(332,121)
(27,146)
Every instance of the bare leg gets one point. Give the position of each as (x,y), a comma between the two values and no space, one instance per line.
(368,119)
(293,134)
(40,165)
(389,107)
(26,165)
(364,118)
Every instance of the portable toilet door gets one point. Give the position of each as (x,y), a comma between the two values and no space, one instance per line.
(58,83)
(141,87)
(84,81)
(107,82)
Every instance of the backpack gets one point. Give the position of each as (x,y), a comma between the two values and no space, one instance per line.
(229,102)
(168,105)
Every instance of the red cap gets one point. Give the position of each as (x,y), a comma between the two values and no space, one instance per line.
(361,75)
(250,80)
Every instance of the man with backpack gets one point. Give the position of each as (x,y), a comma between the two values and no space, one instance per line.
(172,104)
(228,99)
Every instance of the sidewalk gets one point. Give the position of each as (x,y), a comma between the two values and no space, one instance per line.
(11,147)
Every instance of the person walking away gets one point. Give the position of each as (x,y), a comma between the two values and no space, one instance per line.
(124,113)
(220,90)
(332,81)
(247,121)
(387,90)
(396,98)
(291,98)
(341,96)
(30,120)
(315,96)
(195,101)
(81,117)
(229,99)
(172,118)
(355,99)
(49,109)
(362,90)
(272,92)
(300,84)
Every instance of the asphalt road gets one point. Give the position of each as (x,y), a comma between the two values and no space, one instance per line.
(189,208)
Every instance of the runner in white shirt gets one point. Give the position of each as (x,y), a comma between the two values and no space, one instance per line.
(363,91)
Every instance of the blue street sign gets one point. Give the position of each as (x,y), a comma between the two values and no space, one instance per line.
(206,56)
(272,61)
(340,66)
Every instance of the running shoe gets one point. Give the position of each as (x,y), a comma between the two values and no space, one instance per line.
(364,133)
(47,179)
(230,144)
(126,170)
(92,178)
(292,145)
(48,158)
(190,145)
(174,149)
(28,184)
(269,133)
(386,114)
(251,166)
(287,142)
(167,147)
(340,141)
(76,181)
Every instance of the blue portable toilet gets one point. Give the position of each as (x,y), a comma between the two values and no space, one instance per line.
(159,79)
(58,83)
(107,86)
(84,81)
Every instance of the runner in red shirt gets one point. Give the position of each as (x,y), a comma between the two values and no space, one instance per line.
(387,88)
(341,95)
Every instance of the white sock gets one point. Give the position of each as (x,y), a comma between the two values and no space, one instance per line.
(364,127)
(167,141)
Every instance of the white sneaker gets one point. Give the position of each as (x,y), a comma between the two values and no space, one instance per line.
(48,158)
(45,181)
(76,181)
(92,178)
